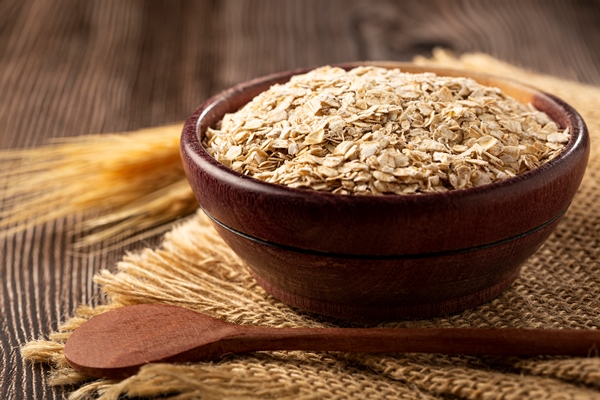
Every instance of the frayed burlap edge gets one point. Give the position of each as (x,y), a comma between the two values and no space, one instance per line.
(193,268)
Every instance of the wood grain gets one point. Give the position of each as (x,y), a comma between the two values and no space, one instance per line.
(74,67)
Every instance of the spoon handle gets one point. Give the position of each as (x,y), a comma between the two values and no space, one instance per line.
(473,341)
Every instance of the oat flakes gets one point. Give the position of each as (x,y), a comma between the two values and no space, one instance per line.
(379,131)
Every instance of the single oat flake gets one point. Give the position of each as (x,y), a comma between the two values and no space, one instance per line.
(373,130)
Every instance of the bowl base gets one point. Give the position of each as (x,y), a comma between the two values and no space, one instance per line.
(396,311)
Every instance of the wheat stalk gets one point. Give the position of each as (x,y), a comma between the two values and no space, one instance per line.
(130,182)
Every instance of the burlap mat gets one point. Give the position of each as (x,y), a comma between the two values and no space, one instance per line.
(559,288)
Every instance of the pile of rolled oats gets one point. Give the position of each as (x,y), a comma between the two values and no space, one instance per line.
(376,131)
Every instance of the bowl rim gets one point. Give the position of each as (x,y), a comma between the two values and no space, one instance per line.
(578,138)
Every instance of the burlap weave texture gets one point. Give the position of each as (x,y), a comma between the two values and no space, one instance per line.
(559,288)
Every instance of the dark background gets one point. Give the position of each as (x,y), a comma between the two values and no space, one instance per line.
(75,67)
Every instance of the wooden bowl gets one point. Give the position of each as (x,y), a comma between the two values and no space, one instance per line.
(391,256)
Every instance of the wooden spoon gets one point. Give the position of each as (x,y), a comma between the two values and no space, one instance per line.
(117,343)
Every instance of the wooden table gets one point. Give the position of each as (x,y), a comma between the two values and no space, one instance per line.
(75,67)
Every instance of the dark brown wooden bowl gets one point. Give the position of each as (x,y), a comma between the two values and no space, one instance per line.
(385,256)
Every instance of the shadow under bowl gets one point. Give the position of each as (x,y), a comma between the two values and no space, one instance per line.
(384,257)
